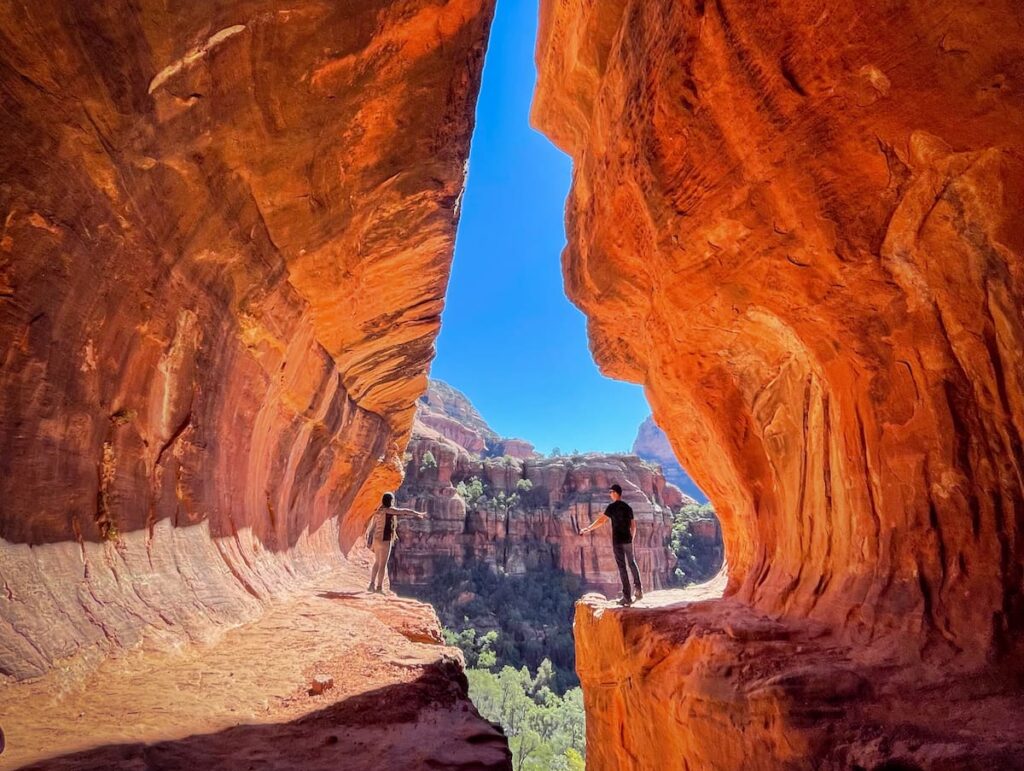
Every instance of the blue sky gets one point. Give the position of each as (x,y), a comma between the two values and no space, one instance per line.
(510,339)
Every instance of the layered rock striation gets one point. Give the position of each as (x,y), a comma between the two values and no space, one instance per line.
(798,225)
(538,528)
(226,236)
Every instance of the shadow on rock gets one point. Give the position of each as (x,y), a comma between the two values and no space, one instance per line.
(343,595)
(410,725)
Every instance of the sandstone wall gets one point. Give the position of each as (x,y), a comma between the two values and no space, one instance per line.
(226,236)
(798,225)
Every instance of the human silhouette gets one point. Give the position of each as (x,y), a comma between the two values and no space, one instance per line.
(620,514)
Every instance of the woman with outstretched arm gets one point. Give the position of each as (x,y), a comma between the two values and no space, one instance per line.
(381,534)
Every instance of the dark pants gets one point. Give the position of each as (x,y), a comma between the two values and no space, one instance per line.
(624,556)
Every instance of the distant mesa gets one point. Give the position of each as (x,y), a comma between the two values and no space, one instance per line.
(652,445)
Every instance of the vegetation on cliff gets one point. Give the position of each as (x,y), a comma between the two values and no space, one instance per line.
(546,732)
(504,619)
(697,543)
(531,616)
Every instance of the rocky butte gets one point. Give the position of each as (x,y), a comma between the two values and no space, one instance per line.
(799,226)
(652,445)
(529,509)
(225,236)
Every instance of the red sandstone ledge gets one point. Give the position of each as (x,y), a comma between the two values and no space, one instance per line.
(687,674)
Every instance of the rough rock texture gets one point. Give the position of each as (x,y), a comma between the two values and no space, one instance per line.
(798,225)
(225,237)
(398,698)
(717,685)
(652,445)
(542,530)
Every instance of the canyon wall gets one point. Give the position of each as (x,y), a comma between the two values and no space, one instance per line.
(799,226)
(554,498)
(226,236)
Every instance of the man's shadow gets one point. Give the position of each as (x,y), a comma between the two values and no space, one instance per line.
(343,595)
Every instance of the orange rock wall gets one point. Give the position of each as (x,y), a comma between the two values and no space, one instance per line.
(225,237)
(798,225)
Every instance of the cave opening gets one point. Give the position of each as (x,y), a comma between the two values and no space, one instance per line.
(500,556)
(226,237)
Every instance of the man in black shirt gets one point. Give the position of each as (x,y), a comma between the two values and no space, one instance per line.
(620,515)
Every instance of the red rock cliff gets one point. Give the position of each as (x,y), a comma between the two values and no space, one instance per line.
(798,225)
(554,498)
(226,236)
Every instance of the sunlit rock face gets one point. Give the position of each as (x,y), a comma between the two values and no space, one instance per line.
(555,497)
(226,236)
(798,225)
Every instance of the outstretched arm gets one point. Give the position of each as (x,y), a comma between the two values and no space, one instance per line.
(599,522)
(409,512)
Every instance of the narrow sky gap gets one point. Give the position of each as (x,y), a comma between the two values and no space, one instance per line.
(510,338)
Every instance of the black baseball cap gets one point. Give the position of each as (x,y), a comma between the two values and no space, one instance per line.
(616,489)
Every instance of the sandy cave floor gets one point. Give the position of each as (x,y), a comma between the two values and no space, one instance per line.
(244,701)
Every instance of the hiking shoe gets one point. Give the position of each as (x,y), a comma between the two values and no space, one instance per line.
(623,601)
(639,595)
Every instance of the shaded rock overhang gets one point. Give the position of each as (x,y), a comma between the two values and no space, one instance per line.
(225,236)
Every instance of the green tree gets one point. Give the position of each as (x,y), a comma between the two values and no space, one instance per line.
(428,461)
(574,761)
(545,731)
(697,559)
(472,492)
(506,501)
(532,614)
(477,651)
(487,659)
(545,676)
(464,641)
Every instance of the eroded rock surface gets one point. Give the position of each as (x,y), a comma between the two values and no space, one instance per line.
(541,530)
(398,697)
(719,685)
(798,225)
(225,237)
